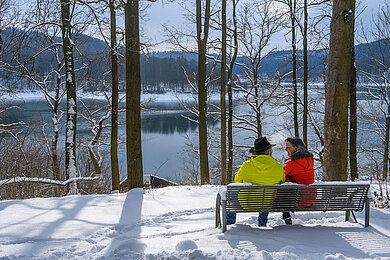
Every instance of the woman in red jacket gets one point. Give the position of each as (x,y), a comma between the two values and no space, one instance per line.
(299,169)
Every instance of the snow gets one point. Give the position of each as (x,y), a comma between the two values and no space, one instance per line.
(178,223)
(169,96)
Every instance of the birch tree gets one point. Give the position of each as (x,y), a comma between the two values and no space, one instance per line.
(71,113)
(44,17)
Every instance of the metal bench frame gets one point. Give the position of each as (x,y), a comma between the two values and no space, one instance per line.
(287,198)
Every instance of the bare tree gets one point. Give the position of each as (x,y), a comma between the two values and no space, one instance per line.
(44,17)
(353,163)
(96,119)
(305,73)
(257,25)
(202,34)
(377,113)
(223,97)
(337,90)
(293,13)
(133,96)
(11,35)
(10,22)
(71,113)
(233,57)
(114,113)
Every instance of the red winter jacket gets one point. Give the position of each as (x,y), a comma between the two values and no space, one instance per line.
(299,169)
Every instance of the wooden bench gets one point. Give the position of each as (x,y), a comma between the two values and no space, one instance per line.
(327,196)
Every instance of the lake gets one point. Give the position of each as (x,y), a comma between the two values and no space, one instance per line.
(165,132)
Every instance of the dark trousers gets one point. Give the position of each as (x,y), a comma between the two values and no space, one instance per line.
(287,217)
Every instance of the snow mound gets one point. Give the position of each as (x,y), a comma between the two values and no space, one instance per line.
(186,245)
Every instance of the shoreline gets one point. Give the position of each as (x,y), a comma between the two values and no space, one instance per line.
(168,96)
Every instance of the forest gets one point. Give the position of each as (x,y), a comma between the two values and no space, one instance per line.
(328,86)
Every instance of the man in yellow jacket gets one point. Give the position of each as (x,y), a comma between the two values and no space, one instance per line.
(261,169)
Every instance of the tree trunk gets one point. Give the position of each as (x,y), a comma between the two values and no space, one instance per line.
(294,64)
(305,76)
(114,113)
(386,146)
(133,96)
(96,158)
(95,161)
(223,97)
(71,115)
(54,141)
(258,107)
(202,36)
(353,122)
(337,91)
(1,41)
(230,95)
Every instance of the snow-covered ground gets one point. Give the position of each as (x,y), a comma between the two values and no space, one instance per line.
(178,223)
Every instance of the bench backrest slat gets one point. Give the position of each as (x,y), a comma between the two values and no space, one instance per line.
(323,197)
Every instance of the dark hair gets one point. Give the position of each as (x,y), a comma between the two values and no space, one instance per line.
(296,142)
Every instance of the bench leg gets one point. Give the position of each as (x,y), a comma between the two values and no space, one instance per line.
(218,211)
(367,213)
(354,217)
(223,216)
(347,215)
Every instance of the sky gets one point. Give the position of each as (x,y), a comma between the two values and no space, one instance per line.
(178,223)
(170,13)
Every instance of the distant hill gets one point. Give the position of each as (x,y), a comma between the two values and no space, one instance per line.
(167,67)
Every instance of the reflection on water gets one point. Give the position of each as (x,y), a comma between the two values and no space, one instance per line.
(163,131)
(160,117)
(168,123)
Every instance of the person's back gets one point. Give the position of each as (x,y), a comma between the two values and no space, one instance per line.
(299,169)
(299,166)
(261,169)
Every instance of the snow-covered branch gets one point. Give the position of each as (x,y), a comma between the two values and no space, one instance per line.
(46,181)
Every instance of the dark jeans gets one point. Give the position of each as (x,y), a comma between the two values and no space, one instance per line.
(261,219)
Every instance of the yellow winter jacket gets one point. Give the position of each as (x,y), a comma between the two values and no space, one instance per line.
(259,170)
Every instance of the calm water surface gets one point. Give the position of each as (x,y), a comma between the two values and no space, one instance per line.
(164,132)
